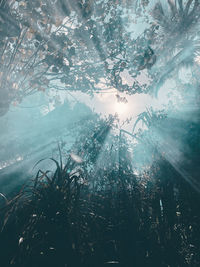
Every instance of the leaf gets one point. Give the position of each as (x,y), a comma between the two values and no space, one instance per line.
(2,195)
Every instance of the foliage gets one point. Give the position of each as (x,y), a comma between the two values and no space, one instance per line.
(91,212)
(95,208)
(84,45)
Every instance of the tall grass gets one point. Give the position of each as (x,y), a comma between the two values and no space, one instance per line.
(60,220)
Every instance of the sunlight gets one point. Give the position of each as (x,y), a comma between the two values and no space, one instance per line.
(121,108)
(100,126)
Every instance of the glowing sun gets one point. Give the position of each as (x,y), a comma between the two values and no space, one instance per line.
(120,108)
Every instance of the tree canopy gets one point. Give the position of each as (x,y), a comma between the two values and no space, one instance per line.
(89,45)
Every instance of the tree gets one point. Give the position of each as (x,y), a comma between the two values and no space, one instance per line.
(59,44)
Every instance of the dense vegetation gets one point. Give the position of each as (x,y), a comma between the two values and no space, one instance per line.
(115,197)
(86,46)
(82,214)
